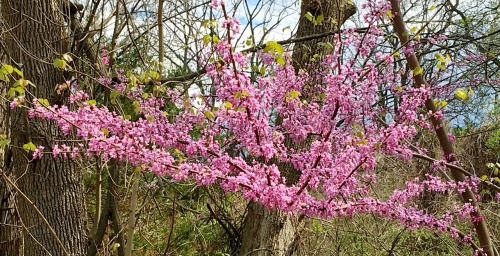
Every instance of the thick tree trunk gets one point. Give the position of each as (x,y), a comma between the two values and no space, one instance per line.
(268,232)
(335,13)
(9,224)
(35,34)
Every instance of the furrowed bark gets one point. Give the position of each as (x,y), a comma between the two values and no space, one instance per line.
(34,35)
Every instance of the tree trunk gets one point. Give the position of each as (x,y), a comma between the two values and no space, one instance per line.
(335,13)
(35,34)
(9,224)
(268,232)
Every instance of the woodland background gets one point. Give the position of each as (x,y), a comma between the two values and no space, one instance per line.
(110,209)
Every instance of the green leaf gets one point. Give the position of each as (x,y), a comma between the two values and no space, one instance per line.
(294,94)
(441,103)
(461,94)
(4,78)
(228,104)
(60,63)
(439,57)
(326,45)
(209,114)
(132,80)
(22,83)
(309,16)
(29,146)
(4,142)
(137,106)
(432,7)
(44,102)
(248,42)
(7,69)
(205,23)
(105,131)
(484,177)
(273,46)
(19,72)
(12,93)
(215,39)
(262,70)
(20,90)
(91,102)
(389,14)
(280,60)
(417,71)
(237,95)
(114,95)
(319,19)
(206,39)
(155,75)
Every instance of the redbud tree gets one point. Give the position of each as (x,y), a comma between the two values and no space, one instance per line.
(232,136)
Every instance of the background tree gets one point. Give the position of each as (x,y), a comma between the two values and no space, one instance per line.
(268,232)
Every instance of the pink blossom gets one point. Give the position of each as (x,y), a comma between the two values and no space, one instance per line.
(240,145)
(37,154)
(56,151)
(16,101)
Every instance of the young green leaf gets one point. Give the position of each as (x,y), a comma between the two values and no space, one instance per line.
(461,94)
(274,47)
(209,114)
(280,60)
(60,63)
(29,146)
(44,102)
(309,16)
(294,94)
(7,69)
(319,19)
(417,71)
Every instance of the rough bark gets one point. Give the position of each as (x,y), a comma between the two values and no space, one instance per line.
(9,224)
(34,33)
(269,232)
(335,13)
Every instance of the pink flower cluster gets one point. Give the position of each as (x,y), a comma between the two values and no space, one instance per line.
(244,144)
